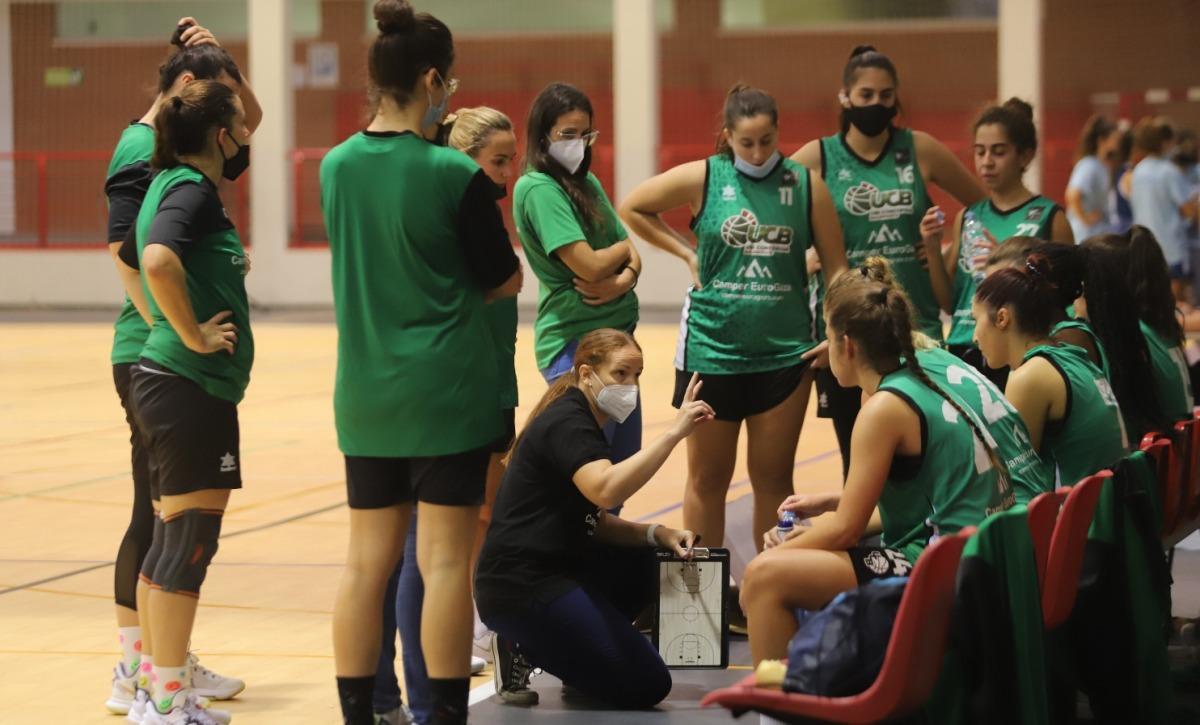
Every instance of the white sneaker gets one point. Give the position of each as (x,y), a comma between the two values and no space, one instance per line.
(124,688)
(206,683)
(186,710)
(477,664)
(137,710)
(482,648)
(400,716)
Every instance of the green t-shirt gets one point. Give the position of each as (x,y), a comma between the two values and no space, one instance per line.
(1029,475)
(1172,380)
(880,205)
(417,369)
(751,311)
(546,221)
(1034,218)
(129,168)
(1091,435)
(183,211)
(955,485)
(502,322)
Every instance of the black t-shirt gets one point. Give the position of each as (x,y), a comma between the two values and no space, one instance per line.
(541,524)
(186,214)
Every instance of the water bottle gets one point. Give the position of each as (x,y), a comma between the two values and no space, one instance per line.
(972,235)
(787,522)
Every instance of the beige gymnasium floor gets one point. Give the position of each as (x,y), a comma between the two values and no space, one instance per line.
(265,616)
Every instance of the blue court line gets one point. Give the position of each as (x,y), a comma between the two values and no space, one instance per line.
(737,484)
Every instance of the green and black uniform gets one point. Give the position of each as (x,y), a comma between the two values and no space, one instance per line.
(187,401)
(1078,323)
(1091,434)
(747,327)
(125,187)
(546,222)
(416,240)
(1172,381)
(1030,476)
(880,204)
(949,485)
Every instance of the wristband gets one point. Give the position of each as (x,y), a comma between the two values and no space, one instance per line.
(650,535)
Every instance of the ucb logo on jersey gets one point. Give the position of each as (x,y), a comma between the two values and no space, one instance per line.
(876,204)
(742,231)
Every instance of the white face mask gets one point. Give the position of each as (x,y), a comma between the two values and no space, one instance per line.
(568,153)
(616,401)
(753,171)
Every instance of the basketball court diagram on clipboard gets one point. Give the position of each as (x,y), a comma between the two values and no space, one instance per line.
(690,626)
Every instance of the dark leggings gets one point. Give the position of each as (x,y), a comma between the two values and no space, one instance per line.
(585,637)
(140,531)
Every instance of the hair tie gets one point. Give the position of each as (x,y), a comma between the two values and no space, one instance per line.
(865,271)
(176,102)
(1033,270)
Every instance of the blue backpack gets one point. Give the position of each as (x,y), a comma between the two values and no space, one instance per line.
(838,651)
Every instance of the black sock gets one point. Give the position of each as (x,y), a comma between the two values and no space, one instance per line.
(449,700)
(356,694)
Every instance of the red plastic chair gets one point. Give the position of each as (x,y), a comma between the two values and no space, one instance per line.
(1187,434)
(1043,513)
(1170,481)
(1065,558)
(910,667)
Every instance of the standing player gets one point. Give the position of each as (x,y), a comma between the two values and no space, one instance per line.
(1004,146)
(575,244)
(418,247)
(191,374)
(879,175)
(745,328)
(197,56)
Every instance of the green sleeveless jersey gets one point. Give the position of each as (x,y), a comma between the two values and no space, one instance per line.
(751,312)
(955,486)
(1091,435)
(134,149)
(1028,473)
(1078,323)
(1172,381)
(880,205)
(215,265)
(417,373)
(1034,218)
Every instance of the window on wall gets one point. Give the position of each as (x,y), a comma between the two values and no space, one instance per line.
(527,17)
(144,20)
(759,14)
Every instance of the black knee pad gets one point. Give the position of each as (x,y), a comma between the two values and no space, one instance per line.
(189,544)
(150,560)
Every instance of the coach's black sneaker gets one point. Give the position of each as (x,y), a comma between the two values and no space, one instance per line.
(512,673)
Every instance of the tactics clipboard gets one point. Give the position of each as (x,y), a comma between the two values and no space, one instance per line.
(690,629)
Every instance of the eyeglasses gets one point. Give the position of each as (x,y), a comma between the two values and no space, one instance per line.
(588,136)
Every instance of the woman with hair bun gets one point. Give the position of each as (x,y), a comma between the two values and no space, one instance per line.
(418,248)
(879,176)
(1005,142)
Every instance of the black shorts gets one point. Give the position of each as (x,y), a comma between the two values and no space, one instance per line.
(737,397)
(878,562)
(973,357)
(192,436)
(505,441)
(144,481)
(834,401)
(457,479)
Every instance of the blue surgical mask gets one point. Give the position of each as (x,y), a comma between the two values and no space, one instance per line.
(756,171)
(435,113)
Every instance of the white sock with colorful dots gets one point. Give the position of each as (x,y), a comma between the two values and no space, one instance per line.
(168,681)
(131,647)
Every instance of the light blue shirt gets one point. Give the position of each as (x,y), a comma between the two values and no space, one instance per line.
(1091,177)
(1159,189)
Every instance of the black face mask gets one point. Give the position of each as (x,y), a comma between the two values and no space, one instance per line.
(501,191)
(871,120)
(236,164)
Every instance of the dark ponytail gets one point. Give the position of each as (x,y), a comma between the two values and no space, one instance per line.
(742,101)
(1149,280)
(409,43)
(1094,131)
(865,56)
(184,122)
(1028,294)
(204,62)
(879,319)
